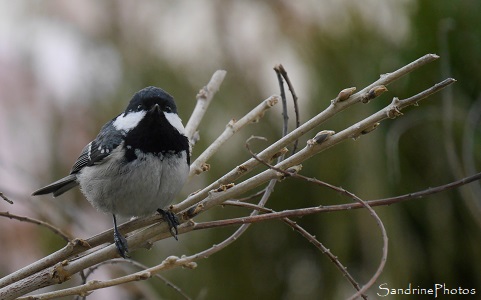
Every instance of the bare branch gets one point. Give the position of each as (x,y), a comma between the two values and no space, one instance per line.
(50,227)
(141,233)
(233,127)
(332,208)
(282,215)
(204,97)
(311,238)
(5,198)
(285,116)
(282,71)
(314,146)
(330,111)
(352,196)
(365,126)
(123,261)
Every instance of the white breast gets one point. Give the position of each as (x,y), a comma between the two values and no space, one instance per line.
(135,188)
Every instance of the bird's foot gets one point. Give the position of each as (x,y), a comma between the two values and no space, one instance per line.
(120,241)
(121,244)
(171,220)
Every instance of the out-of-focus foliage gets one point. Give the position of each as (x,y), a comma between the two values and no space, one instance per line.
(67,67)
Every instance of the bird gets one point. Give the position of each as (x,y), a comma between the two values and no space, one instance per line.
(136,165)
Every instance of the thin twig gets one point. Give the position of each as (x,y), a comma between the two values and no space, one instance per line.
(5,198)
(233,127)
(363,127)
(338,207)
(322,141)
(351,195)
(295,213)
(50,227)
(280,215)
(62,269)
(266,195)
(285,116)
(283,72)
(204,97)
(311,238)
(139,266)
(333,109)
(92,285)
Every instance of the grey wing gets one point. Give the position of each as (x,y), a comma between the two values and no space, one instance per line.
(94,153)
(97,150)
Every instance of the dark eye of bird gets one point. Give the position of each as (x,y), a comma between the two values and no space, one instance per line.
(139,108)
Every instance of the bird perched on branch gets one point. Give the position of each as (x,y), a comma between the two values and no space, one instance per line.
(136,165)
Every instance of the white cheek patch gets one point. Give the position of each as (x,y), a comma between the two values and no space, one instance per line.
(127,122)
(175,121)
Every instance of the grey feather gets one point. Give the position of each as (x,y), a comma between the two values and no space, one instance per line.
(58,187)
(91,154)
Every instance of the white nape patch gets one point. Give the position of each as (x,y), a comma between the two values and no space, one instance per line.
(175,121)
(128,121)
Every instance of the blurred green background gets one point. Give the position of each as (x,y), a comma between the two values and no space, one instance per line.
(67,67)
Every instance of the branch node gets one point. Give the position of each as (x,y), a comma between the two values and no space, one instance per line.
(291,171)
(80,243)
(344,95)
(320,137)
(191,265)
(59,274)
(202,94)
(279,153)
(144,275)
(373,93)
(205,167)
(93,282)
(191,212)
(272,101)
(171,260)
(369,129)
(231,123)
(185,262)
(393,110)
(241,169)
(224,187)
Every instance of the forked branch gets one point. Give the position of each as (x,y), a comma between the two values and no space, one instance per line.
(80,255)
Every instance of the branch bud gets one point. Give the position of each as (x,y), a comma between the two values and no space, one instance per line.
(393,110)
(345,94)
(369,129)
(373,93)
(279,153)
(320,137)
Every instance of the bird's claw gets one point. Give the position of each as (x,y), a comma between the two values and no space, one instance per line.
(121,244)
(171,220)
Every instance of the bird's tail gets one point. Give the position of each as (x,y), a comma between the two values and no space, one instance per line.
(58,187)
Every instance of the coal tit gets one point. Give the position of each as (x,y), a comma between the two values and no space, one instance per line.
(136,165)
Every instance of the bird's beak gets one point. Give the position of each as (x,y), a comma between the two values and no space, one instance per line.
(155,109)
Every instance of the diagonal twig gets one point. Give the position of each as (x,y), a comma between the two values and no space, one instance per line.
(204,97)
(334,108)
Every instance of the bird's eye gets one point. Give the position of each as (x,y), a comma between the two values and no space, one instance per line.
(168,109)
(139,108)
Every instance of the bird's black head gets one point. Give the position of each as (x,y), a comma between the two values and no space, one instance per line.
(151,125)
(147,98)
